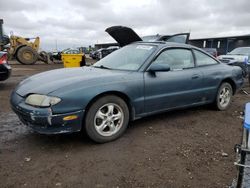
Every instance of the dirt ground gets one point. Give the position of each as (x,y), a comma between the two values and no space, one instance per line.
(185,148)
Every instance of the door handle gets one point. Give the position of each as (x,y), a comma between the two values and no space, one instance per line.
(195,76)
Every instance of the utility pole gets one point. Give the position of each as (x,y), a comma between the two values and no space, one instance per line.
(56,46)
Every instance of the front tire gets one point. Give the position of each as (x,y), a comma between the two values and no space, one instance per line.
(224,96)
(107,119)
(27,55)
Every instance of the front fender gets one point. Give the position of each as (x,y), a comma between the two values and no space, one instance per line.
(79,96)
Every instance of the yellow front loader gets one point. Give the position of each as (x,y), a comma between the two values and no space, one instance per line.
(24,50)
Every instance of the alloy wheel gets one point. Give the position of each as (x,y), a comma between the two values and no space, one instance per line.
(225,96)
(108,119)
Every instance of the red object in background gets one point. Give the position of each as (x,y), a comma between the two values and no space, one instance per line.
(3,59)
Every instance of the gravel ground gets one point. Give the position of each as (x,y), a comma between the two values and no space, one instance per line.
(185,148)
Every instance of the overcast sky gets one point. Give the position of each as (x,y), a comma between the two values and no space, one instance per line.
(74,23)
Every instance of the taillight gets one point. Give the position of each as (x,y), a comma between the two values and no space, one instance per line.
(3,59)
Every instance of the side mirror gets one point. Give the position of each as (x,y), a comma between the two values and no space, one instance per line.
(159,68)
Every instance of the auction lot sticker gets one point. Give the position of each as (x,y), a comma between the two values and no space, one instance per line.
(144,47)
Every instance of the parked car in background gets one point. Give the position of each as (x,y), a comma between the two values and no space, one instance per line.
(72,51)
(238,57)
(211,51)
(100,53)
(91,53)
(57,55)
(138,80)
(103,52)
(106,51)
(5,69)
(85,50)
(96,54)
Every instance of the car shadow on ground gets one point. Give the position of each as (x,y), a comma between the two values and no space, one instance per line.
(170,115)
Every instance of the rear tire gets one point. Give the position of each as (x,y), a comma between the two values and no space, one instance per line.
(26,55)
(224,96)
(107,119)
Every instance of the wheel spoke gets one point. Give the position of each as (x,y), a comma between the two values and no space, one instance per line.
(112,127)
(227,98)
(102,126)
(224,91)
(117,116)
(110,109)
(222,100)
(100,114)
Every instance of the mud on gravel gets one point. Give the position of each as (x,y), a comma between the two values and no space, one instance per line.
(184,148)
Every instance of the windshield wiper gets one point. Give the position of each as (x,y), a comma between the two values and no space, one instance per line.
(102,67)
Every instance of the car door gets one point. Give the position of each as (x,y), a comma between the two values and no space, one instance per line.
(212,73)
(178,87)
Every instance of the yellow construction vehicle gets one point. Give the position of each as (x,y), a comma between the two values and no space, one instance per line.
(24,50)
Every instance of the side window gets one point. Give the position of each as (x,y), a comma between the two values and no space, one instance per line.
(177,59)
(203,59)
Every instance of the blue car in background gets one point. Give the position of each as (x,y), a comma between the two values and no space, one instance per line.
(137,80)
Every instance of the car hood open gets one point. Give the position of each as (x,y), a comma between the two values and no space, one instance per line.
(123,35)
(50,81)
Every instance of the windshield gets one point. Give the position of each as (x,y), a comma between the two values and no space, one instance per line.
(130,57)
(240,51)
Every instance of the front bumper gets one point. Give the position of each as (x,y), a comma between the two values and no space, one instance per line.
(42,120)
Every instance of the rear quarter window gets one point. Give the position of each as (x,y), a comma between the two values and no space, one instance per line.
(203,59)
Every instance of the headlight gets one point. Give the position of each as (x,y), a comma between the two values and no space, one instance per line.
(41,100)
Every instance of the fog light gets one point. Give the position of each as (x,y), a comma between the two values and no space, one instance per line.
(72,117)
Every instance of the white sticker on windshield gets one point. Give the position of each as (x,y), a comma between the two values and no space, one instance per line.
(144,47)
